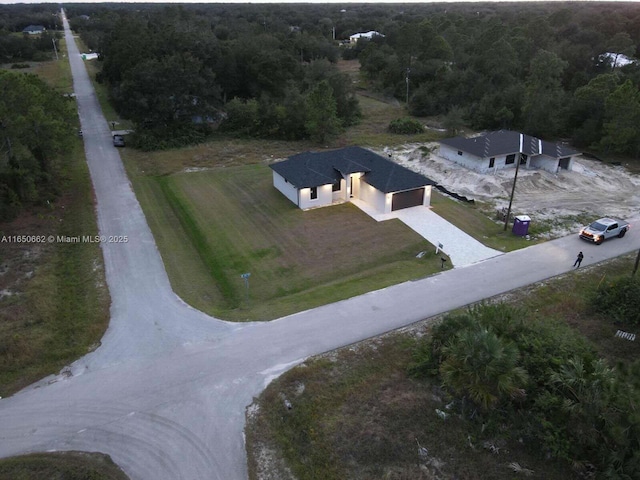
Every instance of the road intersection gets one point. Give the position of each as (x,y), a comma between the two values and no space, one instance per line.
(165,394)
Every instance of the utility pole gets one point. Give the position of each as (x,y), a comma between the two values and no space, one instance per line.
(513,188)
(407,80)
(54,47)
(635,267)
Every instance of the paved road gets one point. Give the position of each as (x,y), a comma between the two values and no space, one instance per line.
(165,394)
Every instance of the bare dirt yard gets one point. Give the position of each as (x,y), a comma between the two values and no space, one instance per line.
(592,189)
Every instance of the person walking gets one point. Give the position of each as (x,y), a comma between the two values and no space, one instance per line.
(578,261)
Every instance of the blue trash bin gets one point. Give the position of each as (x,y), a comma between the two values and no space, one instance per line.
(521,225)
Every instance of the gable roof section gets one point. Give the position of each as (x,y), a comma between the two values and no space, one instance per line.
(34,29)
(312,169)
(504,142)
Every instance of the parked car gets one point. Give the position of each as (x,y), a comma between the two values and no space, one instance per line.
(118,140)
(603,228)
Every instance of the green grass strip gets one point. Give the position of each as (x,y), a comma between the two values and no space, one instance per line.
(215,267)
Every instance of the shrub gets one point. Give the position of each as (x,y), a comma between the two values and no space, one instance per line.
(405,126)
(618,299)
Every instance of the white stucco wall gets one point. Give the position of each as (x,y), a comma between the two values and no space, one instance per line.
(570,165)
(324,197)
(466,159)
(373,197)
(549,164)
(285,187)
(478,164)
(427,196)
(340,194)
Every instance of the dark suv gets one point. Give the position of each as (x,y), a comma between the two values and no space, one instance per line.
(118,140)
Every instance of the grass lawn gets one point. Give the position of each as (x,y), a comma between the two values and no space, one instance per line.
(55,303)
(213,226)
(56,73)
(473,220)
(61,466)
(357,414)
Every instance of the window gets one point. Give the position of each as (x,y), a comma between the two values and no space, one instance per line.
(510,159)
(314,193)
(459,152)
(492,161)
(337,186)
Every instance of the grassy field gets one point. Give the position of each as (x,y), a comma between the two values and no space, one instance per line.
(61,466)
(54,303)
(357,414)
(474,220)
(55,306)
(213,226)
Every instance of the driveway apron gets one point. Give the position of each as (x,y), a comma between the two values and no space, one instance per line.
(461,248)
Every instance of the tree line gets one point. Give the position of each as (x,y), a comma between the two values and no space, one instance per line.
(176,71)
(36,127)
(536,67)
(539,68)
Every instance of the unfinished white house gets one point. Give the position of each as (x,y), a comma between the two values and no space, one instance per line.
(318,179)
(367,35)
(492,151)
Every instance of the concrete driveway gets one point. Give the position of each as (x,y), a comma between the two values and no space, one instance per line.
(461,248)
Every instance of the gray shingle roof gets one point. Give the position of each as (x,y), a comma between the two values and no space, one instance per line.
(34,28)
(504,142)
(312,169)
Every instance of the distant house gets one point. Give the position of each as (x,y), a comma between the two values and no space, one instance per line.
(501,149)
(317,179)
(34,29)
(616,60)
(368,35)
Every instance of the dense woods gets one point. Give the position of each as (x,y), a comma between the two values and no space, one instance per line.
(537,67)
(178,71)
(181,72)
(36,126)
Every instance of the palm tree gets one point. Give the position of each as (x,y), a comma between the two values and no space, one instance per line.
(586,390)
(481,366)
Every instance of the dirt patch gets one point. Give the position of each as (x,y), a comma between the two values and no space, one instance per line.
(20,257)
(592,189)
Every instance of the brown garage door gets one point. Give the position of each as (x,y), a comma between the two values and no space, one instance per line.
(410,198)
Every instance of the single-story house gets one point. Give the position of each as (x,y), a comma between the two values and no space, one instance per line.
(317,179)
(33,29)
(368,35)
(495,150)
(616,60)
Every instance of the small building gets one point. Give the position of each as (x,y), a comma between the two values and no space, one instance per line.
(368,35)
(318,179)
(492,151)
(33,29)
(616,60)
